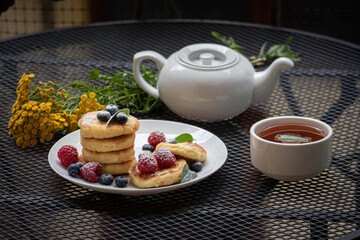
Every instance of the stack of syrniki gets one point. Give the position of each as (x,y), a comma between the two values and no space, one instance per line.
(112,146)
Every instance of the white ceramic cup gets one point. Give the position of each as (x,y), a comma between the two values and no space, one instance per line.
(290,161)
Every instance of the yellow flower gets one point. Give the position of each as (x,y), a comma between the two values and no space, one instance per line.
(33,142)
(84,97)
(57,125)
(35,108)
(42,126)
(50,136)
(45,132)
(93,101)
(38,118)
(73,124)
(19,141)
(27,137)
(34,131)
(92,95)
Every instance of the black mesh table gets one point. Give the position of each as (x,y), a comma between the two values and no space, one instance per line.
(237,202)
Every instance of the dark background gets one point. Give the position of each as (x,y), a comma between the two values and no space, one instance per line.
(336,18)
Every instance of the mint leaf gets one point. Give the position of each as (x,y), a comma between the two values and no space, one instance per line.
(292,138)
(125,110)
(185,137)
(187,174)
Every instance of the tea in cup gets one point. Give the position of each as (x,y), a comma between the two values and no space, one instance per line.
(291,148)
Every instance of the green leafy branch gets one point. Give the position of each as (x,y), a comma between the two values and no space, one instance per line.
(120,89)
(275,51)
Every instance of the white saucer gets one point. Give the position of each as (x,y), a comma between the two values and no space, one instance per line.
(216,150)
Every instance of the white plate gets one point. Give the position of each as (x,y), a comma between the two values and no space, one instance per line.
(216,150)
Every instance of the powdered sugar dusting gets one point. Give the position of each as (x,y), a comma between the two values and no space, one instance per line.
(88,119)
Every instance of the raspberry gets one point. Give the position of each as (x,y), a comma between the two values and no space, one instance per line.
(155,138)
(91,172)
(147,163)
(68,155)
(164,157)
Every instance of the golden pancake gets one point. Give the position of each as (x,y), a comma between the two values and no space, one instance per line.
(108,144)
(121,156)
(91,127)
(161,177)
(118,168)
(186,150)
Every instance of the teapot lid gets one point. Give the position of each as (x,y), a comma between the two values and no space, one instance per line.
(208,56)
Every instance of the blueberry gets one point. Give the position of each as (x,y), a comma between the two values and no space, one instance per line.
(121,117)
(144,152)
(112,109)
(103,116)
(80,164)
(196,166)
(106,179)
(148,147)
(74,169)
(121,181)
(173,141)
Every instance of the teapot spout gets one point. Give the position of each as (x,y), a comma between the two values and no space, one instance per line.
(265,81)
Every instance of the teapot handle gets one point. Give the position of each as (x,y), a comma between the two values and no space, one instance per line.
(138,58)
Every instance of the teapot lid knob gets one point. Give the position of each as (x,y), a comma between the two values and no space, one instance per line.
(206,58)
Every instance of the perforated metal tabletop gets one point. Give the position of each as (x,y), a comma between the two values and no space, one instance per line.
(236,202)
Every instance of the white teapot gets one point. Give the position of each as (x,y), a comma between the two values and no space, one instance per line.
(209,82)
